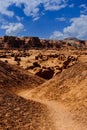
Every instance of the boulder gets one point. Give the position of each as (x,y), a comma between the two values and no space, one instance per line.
(46,73)
(36,64)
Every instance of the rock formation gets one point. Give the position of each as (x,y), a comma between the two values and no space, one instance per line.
(36,43)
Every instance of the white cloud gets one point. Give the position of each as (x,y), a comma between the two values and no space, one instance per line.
(2,20)
(84,9)
(71,5)
(31,7)
(54,4)
(56,35)
(4,8)
(82,6)
(19,18)
(78,28)
(36,18)
(13,29)
(61,19)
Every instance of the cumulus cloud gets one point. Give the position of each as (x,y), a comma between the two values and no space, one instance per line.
(13,29)
(31,7)
(78,28)
(56,35)
(54,4)
(4,8)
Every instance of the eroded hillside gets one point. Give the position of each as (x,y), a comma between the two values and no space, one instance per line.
(68,87)
(16,112)
(43,84)
(37,43)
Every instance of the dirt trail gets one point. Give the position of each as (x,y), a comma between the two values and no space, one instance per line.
(62,119)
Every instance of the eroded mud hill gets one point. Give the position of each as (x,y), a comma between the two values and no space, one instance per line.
(69,88)
(14,77)
(16,112)
(44,105)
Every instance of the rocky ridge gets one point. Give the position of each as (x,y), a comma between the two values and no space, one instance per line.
(35,42)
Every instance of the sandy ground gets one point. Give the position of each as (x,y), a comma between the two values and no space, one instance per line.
(62,119)
(58,114)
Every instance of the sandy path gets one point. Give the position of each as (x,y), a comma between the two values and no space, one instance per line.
(59,114)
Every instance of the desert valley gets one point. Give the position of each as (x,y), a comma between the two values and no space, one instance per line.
(43,84)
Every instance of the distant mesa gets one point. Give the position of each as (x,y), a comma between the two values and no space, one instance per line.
(37,43)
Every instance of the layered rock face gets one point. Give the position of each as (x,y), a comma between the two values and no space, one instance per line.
(20,42)
(36,43)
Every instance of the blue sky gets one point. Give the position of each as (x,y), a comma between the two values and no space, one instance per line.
(50,19)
